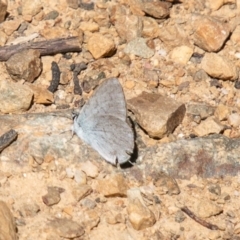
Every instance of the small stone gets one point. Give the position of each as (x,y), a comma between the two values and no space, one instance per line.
(234,119)
(208,209)
(90,219)
(181,54)
(180,216)
(90,169)
(156,9)
(80,177)
(53,196)
(10,26)
(51,15)
(14,97)
(235,37)
(7,223)
(205,31)
(24,65)
(139,48)
(200,109)
(88,203)
(66,228)
(133,30)
(208,126)
(222,112)
(31,7)
(150,28)
(139,215)
(166,182)
(29,209)
(215,5)
(3,10)
(100,46)
(41,94)
(219,67)
(157,114)
(73,4)
(215,189)
(112,185)
(81,192)
(89,26)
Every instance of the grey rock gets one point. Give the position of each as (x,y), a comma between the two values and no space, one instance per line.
(139,48)
(211,156)
(200,109)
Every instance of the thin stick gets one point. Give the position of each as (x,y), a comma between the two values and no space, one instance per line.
(199,220)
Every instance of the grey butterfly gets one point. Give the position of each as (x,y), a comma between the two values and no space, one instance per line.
(102,124)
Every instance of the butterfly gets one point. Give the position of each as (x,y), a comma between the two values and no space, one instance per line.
(101,123)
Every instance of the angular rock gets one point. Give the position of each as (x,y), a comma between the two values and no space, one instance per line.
(66,228)
(41,94)
(81,192)
(3,10)
(90,169)
(31,7)
(219,67)
(14,97)
(112,185)
(181,54)
(150,28)
(139,48)
(10,26)
(90,219)
(172,36)
(53,196)
(139,215)
(234,119)
(166,183)
(207,209)
(89,26)
(208,126)
(133,30)
(205,31)
(222,112)
(7,223)
(156,9)
(158,115)
(80,177)
(200,109)
(24,65)
(100,46)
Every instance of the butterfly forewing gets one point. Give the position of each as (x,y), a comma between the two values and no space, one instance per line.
(108,99)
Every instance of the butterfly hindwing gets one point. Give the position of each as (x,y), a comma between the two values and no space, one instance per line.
(111,137)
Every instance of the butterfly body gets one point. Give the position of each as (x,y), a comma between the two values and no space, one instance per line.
(102,124)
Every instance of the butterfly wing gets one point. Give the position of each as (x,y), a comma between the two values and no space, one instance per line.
(110,136)
(108,99)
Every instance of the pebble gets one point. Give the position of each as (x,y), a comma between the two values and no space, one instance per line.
(139,48)
(81,192)
(90,169)
(156,114)
(53,196)
(100,46)
(139,215)
(14,97)
(25,65)
(112,185)
(208,126)
(181,55)
(219,67)
(206,209)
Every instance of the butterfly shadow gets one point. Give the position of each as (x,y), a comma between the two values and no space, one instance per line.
(134,156)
